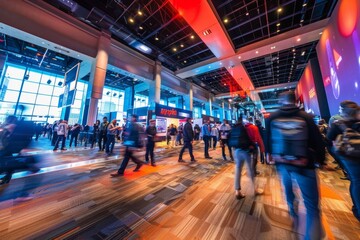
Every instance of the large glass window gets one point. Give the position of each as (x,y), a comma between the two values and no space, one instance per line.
(112,101)
(37,101)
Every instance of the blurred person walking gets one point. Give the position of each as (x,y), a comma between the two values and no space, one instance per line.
(225,130)
(62,132)
(132,142)
(150,145)
(103,134)
(344,134)
(188,135)
(112,130)
(295,143)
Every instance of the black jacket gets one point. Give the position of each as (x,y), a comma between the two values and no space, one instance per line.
(188,133)
(315,142)
(151,132)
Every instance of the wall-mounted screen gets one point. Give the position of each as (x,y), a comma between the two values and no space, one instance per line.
(339,54)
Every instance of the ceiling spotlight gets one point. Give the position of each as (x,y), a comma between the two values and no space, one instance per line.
(273,47)
(304,5)
(293,50)
(303,53)
(226,20)
(181,45)
(131,20)
(278,24)
(192,36)
(185,61)
(278,30)
(114,95)
(247,14)
(141,28)
(174,49)
(279,10)
(298,40)
(120,95)
(60,84)
(48,81)
(156,38)
(302,20)
(239,57)
(140,13)
(257,52)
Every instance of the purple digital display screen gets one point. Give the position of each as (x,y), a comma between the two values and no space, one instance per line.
(339,55)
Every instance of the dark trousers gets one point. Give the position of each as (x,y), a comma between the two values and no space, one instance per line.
(128,154)
(94,139)
(352,167)
(225,142)
(150,151)
(206,145)
(254,156)
(110,141)
(74,136)
(188,145)
(54,138)
(102,138)
(61,138)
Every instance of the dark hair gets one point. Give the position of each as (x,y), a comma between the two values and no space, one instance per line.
(287,97)
(349,108)
(134,116)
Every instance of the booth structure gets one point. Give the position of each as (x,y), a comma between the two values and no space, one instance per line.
(166,115)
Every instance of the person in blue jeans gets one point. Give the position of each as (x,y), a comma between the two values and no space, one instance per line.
(111,132)
(350,113)
(206,131)
(295,143)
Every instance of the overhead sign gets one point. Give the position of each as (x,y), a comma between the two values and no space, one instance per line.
(170,112)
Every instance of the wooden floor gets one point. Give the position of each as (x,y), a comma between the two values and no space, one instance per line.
(170,201)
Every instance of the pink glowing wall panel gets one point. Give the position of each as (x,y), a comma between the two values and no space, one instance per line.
(339,54)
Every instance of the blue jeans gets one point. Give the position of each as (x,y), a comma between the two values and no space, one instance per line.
(308,184)
(352,167)
(206,145)
(187,144)
(242,156)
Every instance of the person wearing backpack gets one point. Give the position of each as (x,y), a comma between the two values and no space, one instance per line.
(295,143)
(103,134)
(240,142)
(345,134)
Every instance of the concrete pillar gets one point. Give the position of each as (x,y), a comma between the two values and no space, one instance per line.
(155,86)
(97,77)
(222,112)
(188,99)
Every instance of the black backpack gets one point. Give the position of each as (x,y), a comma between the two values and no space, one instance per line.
(348,143)
(239,138)
(289,137)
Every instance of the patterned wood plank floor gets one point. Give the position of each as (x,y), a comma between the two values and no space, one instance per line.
(170,201)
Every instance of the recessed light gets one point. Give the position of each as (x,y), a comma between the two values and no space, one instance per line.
(278,30)
(303,53)
(293,50)
(239,57)
(226,20)
(131,20)
(304,5)
(185,61)
(273,47)
(247,14)
(279,10)
(174,49)
(298,40)
(140,13)
(302,20)
(157,39)
(192,36)
(181,45)
(220,63)
(278,24)
(257,52)
(320,33)
(141,27)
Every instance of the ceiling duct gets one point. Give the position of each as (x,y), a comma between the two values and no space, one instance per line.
(100,18)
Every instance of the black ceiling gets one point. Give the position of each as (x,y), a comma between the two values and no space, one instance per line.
(217,81)
(25,53)
(248,21)
(280,67)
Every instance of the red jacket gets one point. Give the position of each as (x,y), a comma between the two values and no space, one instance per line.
(254,135)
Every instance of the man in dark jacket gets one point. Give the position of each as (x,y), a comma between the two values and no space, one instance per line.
(132,141)
(150,132)
(349,112)
(188,135)
(295,143)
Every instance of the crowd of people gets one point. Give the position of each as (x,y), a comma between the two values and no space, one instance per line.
(291,140)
